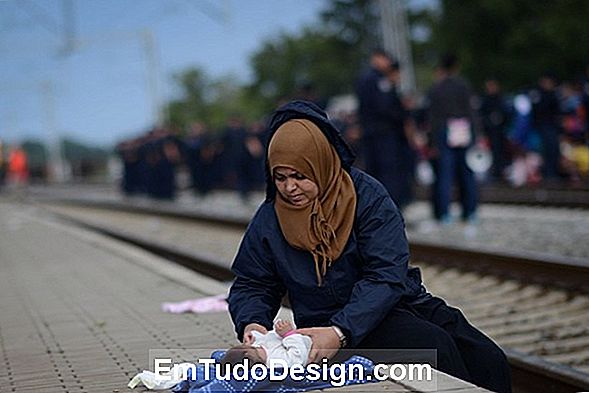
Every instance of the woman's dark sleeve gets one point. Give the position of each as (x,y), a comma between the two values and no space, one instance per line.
(257,291)
(383,247)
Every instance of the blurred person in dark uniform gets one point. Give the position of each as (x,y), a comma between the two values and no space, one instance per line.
(382,117)
(401,141)
(495,116)
(172,148)
(162,154)
(546,117)
(129,153)
(199,158)
(451,121)
(371,104)
(153,157)
(233,142)
(250,165)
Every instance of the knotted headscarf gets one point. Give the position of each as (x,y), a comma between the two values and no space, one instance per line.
(323,225)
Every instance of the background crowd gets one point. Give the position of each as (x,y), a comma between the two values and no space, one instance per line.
(537,135)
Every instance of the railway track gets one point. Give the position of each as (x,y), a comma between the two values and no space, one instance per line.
(531,196)
(550,196)
(537,310)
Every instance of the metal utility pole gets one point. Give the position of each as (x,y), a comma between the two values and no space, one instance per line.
(69,27)
(395,36)
(152,63)
(57,167)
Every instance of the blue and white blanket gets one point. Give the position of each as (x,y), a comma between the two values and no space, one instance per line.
(250,384)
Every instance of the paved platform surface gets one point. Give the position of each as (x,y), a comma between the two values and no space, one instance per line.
(79,312)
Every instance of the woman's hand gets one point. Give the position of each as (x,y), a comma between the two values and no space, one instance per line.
(325,343)
(248,338)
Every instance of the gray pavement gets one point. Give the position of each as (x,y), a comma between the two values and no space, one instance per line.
(79,313)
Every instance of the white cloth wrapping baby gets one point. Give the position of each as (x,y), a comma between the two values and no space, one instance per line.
(293,349)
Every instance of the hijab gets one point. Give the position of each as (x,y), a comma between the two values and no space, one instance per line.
(323,225)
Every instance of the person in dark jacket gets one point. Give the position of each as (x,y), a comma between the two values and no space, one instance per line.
(383,117)
(199,158)
(233,145)
(495,116)
(331,237)
(129,152)
(452,123)
(546,117)
(250,162)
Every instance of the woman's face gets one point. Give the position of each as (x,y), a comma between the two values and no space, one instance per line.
(294,187)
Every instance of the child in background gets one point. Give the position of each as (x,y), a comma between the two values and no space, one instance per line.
(281,343)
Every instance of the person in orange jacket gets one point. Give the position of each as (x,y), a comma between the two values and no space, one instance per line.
(18,169)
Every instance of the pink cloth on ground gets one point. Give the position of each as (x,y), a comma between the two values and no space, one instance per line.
(202,305)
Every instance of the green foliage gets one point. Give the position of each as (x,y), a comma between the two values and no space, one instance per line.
(211,101)
(329,56)
(285,63)
(76,152)
(515,40)
(354,22)
(36,152)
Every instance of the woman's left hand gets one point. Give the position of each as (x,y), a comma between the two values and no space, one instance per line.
(325,343)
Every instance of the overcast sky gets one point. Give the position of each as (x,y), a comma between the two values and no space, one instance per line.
(100,93)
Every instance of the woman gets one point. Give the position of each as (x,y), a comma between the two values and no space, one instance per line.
(330,236)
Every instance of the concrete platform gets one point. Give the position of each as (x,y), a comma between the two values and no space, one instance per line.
(80,312)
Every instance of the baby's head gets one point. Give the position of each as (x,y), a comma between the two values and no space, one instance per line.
(237,355)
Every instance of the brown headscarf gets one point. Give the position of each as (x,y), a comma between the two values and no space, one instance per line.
(322,226)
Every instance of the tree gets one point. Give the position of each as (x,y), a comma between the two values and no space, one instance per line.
(515,40)
(282,65)
(193,84)
(355,22)
(211,101)
(330,55)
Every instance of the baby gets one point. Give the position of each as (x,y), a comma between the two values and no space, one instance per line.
(281,343)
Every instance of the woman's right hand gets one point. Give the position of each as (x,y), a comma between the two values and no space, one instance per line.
(248,338)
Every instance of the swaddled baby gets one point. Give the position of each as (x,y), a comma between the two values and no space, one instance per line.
(281,343)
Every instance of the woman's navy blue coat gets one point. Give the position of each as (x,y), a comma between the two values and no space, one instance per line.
(369,278)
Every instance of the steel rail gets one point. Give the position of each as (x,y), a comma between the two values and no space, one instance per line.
(567,198)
